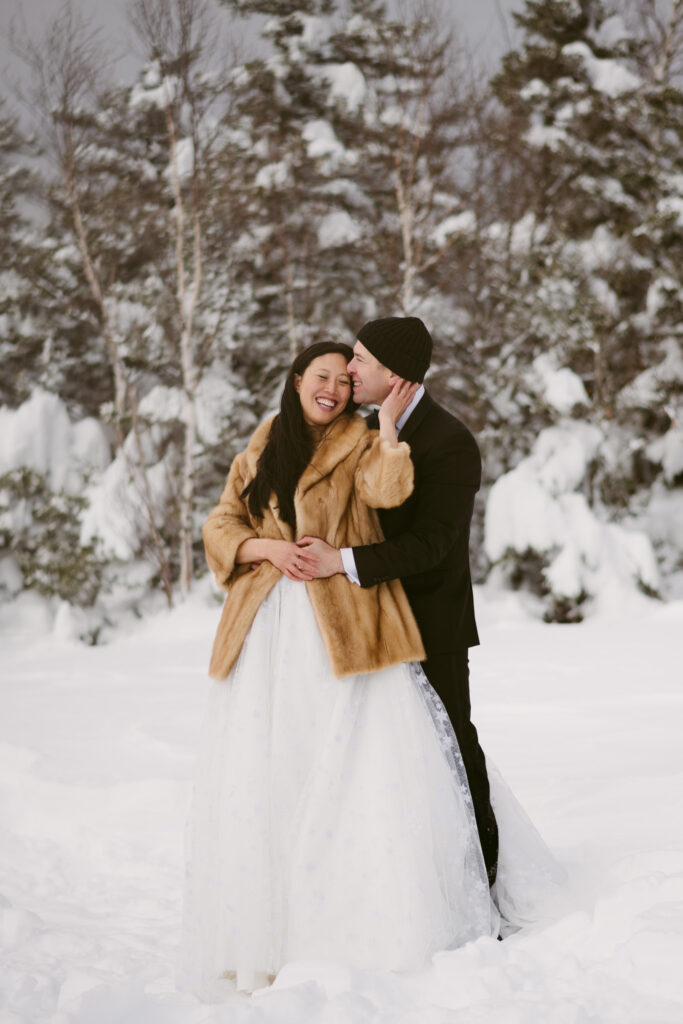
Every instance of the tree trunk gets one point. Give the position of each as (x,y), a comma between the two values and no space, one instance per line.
(104,306)
(187,302)
(405,213)
(187,493)
(157,543)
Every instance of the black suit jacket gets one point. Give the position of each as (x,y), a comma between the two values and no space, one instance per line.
(427,538)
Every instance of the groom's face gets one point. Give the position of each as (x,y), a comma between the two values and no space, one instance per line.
(372,381)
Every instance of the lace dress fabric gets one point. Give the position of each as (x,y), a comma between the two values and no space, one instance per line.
(331,818)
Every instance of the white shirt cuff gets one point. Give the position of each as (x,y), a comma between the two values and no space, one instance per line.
(349,563)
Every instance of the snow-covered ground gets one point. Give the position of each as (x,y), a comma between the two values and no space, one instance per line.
(96,748)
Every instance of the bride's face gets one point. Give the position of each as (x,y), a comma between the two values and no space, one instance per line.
(324,389)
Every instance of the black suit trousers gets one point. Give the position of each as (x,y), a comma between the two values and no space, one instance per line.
(449,674)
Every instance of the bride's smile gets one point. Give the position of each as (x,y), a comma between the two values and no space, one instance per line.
(324,389)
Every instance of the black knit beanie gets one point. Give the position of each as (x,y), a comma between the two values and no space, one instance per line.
(401,343)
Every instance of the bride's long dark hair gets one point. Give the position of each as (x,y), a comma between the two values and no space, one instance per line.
(290,443)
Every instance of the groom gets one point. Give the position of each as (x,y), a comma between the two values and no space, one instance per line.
(427,538)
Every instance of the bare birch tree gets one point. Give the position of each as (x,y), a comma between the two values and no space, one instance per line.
(659,24)
(179,37)
(416,143)
(413,126)
(67,68)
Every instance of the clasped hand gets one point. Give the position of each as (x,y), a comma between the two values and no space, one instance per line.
(293,559)
(303,560)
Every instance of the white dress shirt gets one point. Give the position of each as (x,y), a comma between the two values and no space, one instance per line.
(348,561)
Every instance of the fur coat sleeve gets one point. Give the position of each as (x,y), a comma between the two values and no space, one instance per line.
(384,475)
(228,525)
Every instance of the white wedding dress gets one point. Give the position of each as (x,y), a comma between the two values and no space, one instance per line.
(332,820)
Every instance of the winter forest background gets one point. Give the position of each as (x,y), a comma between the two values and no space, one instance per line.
(170,241)
(248,177)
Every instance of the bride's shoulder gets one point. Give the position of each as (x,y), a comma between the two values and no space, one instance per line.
(344,439)
(368,427)
(258,439)
(354,430)
(246,460)
(359,423)
(364,427)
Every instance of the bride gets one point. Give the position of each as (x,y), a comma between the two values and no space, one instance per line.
(331,815)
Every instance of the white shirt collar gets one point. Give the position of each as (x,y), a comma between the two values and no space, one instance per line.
(403,418)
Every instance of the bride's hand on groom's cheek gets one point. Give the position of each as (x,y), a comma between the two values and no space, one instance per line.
(398,400)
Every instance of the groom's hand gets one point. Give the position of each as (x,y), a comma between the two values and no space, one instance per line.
(329,558)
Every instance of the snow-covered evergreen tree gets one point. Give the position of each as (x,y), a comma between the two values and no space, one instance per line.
(407,124)
(132,210)
(203,225)
(598,244)
(295,265)
(351,129)
(21,337)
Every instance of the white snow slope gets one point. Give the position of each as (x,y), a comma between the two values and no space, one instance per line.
(96,748)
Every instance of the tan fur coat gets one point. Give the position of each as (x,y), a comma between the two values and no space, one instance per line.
(364,629)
